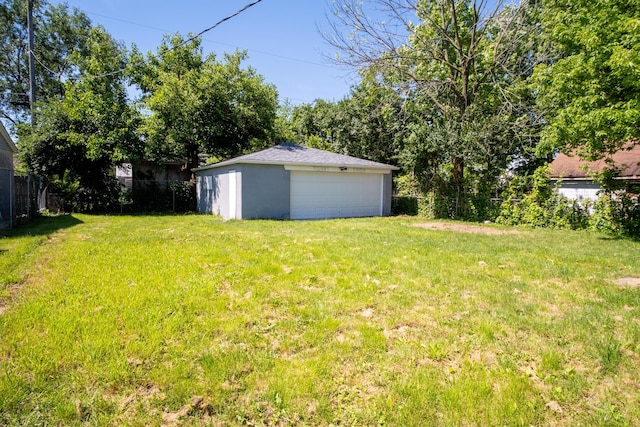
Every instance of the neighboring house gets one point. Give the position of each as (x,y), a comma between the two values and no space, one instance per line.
(147,173)
(124,175)
(162,172)
(574,173)
(7,189)
(289,181)
(156,186)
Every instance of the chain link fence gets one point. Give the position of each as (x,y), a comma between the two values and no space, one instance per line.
(157,196)
(6,198)
(446,207)
(18,197)
(26,202)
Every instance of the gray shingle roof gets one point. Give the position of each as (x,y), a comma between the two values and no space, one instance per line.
(291,154)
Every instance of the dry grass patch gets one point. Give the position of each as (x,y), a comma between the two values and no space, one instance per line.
(465,228)
(628,282)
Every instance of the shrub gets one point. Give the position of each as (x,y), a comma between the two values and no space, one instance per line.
(429,202)
(616,212)
(530,200)
(404,205)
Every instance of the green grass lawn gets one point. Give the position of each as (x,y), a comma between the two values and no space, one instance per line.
(188,320)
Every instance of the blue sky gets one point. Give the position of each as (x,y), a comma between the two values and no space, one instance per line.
(281,36)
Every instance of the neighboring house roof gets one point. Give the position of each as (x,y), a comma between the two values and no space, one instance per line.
(291,154)
(5,135)
(573,167)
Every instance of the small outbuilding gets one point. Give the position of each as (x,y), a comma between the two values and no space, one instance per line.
(7,188)
(290,181)
(572,176)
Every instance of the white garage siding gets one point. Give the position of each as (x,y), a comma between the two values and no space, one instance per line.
(336,195)
(220,193)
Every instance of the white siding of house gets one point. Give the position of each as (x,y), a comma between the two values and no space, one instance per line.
(580,190)
(7,197)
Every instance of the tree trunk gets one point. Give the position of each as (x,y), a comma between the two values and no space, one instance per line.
(458,182)
(194,160)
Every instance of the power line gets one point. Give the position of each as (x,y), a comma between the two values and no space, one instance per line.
(165,30)
(32,69)
(159,55)
(44,66)
(215,25)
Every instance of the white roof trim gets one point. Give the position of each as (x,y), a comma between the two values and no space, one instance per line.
(572,179)
(291,165)
(336,169)
(619,178)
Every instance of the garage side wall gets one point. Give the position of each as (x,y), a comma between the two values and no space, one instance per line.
(212,191)
(387,192)
(265,192)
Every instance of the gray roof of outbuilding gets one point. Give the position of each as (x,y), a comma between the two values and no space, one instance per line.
(291,154)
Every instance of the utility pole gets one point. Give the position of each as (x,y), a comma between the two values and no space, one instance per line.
(32,67)
(32,98)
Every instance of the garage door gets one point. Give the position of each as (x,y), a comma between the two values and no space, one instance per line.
(335,195)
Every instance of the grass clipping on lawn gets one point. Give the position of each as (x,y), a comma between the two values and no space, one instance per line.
(188,320)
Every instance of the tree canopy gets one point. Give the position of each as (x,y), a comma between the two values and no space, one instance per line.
(78,137)
(193,106)
(199,105)
(366,124)
(454,91)
(60,32)
(461,68)
(589,90)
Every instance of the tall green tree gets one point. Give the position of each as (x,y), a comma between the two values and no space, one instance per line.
(59,33)
(314,124)
(371,122)
(461,66)
(368,123)
(79,137)
(283,125)
(201,106)
(589,90)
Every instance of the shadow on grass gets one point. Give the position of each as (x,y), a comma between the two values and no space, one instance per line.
(622,237)
(42,226)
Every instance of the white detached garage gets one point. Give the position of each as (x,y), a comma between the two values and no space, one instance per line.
(289,181)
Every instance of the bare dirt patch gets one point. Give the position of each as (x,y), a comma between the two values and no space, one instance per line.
(198,407)
(628,282)
(464,228)
(142,393)
(7,296)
